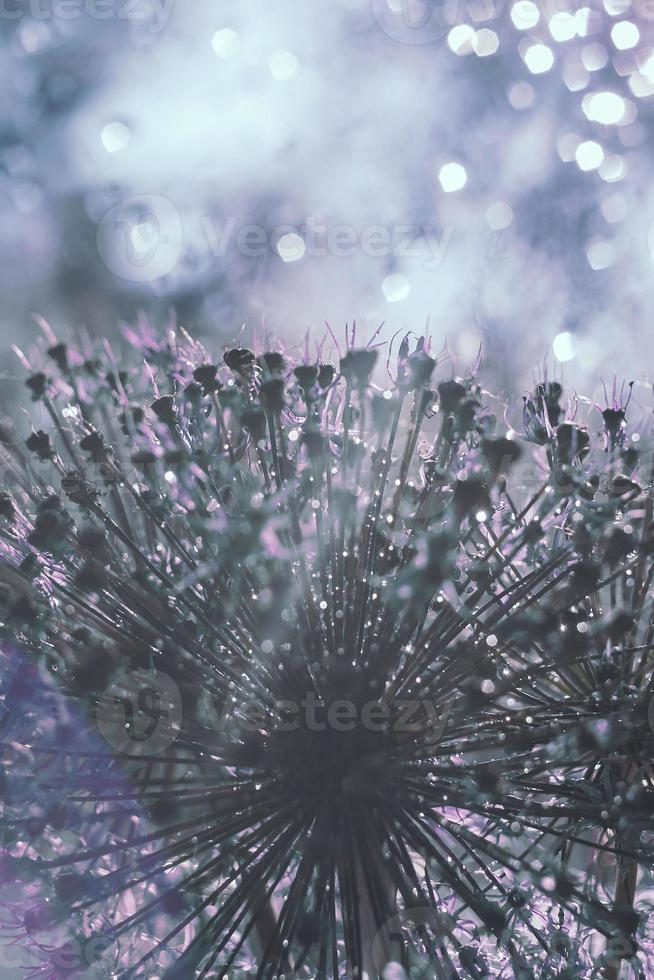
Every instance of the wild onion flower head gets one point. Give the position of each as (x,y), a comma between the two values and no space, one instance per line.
(308,675)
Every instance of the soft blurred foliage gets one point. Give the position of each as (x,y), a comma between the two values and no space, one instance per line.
(481,166)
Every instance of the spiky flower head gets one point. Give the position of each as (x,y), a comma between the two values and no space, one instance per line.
(315,671)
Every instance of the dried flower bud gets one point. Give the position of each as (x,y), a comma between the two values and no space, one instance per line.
(7,509)
(357,366)
(500,455)
(59,354)
(420,369)
(95,445)
(314,442)
(620,485)
(164,409)
(205,375)
(471,498)
(240,360)
(37,384)
(450,396)
(79,490)
(117,381)
(273,364)
(572,441)
(92,539)
(272,395)
(306,376)
(253,421)
(326,375)
(614,425)
(39,443)
(193,393)
(50,530)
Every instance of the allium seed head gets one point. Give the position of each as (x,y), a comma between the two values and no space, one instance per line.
(310,678)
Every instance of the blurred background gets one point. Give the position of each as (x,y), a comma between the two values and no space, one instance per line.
(482,167)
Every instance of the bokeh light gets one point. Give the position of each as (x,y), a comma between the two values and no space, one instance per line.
(284,65)
(538,58)
(625,35)
(453,177)
(563,346)
(396,287)
(589,155)
(206,162)
(525,14)
(291,247)
(225,42)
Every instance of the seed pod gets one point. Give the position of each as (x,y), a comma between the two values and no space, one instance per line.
(470,498)
(273,364)
(240,360)
(272,395)
(420,369)
(357,366)
(450,396)
(306,376)
(326,375)
(314,441)
(205,375)
(164,409)
(572,441)
(7,509)
(37,384)
(95,445)
(500,455)
(39,443)
(59,354)
(253,421)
